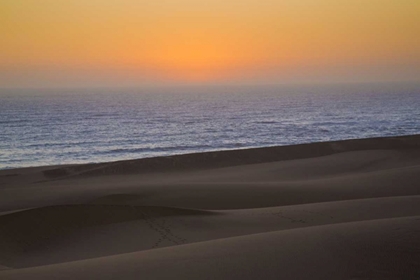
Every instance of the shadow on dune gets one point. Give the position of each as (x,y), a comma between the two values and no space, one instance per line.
(381,249)
(33,229)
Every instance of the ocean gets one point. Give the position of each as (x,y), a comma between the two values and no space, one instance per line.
(66,126)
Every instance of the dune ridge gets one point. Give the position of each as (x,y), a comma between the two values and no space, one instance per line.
(334,210)
(234,157)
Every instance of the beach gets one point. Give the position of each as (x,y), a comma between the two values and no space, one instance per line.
(328,210)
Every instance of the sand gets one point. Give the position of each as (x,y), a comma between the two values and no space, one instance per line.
(334,210)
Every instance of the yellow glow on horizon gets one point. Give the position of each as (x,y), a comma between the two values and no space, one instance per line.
(191,40)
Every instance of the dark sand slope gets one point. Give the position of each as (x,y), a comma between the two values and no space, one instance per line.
(338,210)
(3,267)
(379,249)
(96,231)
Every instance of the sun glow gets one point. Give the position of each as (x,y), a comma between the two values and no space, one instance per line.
(193,41)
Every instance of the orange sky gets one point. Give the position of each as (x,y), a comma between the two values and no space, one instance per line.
(135,42)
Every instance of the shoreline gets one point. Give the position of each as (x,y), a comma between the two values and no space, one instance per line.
(224,158)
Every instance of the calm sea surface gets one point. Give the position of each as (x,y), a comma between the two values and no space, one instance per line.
(48,127)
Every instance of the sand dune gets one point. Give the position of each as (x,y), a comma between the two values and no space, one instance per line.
(83,231)
(346,210)
(3,267)
(379,249)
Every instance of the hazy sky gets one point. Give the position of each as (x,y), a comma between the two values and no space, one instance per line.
(139,42)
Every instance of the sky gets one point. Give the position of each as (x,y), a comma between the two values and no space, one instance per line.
(53,43)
